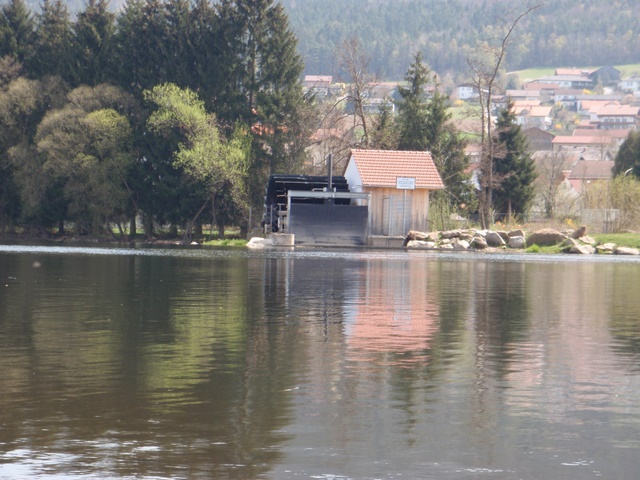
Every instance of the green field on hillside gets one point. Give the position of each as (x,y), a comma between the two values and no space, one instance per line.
(533,73)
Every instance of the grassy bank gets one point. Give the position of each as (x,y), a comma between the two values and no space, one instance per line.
(227,242)
(620,239)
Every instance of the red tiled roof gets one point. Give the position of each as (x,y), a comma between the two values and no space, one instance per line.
(614,133)
(532,110)
(613,110)
(595,105)
(381,168)
(579,140)
(540,86)
(318,79)
(573,71)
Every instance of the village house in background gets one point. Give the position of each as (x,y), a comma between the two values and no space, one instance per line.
(600,124)
(582,115)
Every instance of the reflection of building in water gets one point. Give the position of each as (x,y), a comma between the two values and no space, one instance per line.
(379,307)
(396,312)
(309,288)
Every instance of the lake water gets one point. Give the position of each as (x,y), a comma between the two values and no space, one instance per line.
(195,363)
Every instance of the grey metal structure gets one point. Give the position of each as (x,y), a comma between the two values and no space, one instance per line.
(327,222)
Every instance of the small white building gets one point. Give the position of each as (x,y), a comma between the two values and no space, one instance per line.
(467,91)
(630,85)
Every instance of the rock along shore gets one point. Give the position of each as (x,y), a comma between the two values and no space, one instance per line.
(574,241)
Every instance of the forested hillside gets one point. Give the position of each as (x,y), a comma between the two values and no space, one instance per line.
(559,33)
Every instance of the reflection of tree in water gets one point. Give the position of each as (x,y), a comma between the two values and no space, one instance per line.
(502,311)
(625,313)
(500,318)
(148,366)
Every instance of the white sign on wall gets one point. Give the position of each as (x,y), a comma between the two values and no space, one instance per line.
(405,183)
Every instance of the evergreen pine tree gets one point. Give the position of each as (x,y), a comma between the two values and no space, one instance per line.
(447,149)
(628,156)
(179,61)
(17,28)
(263,84)
(141,40)
(279,97)
(53,40)
(412,107)
(94,48)
(207,66)
(384,135)
(514,167)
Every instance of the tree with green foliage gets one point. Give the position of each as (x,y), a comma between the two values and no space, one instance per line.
(86,149)
(628,157)
(210,164)
(210,67)
(93,47)
(53,42)
(240,56)
(515,170)
(413,114)
(447,147)
(23,104)
(17,30)
(10,69)
(424,123)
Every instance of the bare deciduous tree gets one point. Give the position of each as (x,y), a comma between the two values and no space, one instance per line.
(551,167)
(354,62)
(485,67)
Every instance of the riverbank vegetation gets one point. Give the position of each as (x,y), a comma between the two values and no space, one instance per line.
(167,116)
(167,112)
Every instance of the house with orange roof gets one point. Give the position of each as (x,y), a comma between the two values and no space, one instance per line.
(399,183)
(591,103)
(605,76)
(567,81)
(613,117)
(320,81)
(522,104)
(539,139)
(543,88)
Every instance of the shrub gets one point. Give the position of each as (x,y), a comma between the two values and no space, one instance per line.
(618,201)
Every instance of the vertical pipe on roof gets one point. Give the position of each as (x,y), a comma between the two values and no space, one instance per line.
(330,173)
